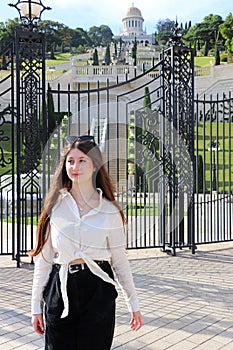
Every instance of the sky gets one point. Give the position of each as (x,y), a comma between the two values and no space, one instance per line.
(88,13)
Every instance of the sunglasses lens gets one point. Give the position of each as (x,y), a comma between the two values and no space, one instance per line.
(85,138)
(73,139)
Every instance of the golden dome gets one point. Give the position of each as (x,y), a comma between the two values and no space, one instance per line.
(133,12)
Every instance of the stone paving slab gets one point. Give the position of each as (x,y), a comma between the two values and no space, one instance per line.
(186,302)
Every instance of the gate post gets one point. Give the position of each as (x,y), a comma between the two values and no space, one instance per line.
(31,123)
(178,141)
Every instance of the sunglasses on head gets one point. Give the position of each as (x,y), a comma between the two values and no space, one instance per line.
(83,138)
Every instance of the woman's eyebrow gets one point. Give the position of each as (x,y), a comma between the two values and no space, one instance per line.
(81,157)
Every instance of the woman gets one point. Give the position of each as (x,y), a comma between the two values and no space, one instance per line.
(80,242)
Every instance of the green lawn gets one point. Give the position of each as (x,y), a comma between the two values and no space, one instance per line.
(60,58)
(204,61)
(224,156)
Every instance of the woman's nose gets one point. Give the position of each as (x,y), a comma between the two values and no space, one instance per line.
(76,165)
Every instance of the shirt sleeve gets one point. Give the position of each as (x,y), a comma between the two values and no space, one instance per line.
(42,269)
(121,265)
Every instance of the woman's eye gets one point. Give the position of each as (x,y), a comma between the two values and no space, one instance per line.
(80,161)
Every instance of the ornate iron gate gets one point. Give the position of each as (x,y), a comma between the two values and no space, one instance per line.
(144,127)
(23,137)
(7,150)
(148,129)
(31,134)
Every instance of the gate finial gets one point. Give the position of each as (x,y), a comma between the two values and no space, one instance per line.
(176,37)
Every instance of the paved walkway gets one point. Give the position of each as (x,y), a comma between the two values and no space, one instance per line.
(186,301)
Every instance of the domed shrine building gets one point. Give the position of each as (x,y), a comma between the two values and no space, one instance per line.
(133,27)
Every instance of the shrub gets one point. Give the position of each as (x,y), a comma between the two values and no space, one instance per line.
(223,57)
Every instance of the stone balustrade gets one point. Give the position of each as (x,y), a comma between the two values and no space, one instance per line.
(88,73)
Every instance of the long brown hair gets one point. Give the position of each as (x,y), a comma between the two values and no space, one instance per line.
(101,179)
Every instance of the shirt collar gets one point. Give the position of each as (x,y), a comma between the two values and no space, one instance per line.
(64,192)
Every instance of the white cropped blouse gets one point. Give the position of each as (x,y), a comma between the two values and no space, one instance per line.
(97,235)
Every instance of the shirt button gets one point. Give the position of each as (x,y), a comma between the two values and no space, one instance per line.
(56,255)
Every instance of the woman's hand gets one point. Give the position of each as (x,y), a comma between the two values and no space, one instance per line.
(136,321)
(38,323)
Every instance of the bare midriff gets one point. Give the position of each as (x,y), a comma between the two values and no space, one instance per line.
(77,261)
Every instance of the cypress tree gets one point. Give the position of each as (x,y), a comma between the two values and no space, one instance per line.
(134,52)
(147,100)
(206,49)
(52,55)
(217,55)
(52,122)
(95,58)
(107,58)
(115,49)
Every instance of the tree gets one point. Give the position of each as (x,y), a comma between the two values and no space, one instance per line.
(164,30)
(192,36)
(8,30)
(115,49)
(226,30)
(80,38)
(206,48)
(106,35)
(134,52)
(58,36)
(121,44)
(52,52)
(217,55)
(100,35)
(95,58)
(51,30)
(147,100)
(107,58)
(52,121)
(66,35)
(210,29)
(205,33)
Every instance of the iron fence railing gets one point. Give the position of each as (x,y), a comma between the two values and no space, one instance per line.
(213,183)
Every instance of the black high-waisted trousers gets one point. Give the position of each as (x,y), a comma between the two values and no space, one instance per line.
(91,320)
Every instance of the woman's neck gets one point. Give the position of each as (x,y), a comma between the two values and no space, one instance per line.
(83,192)
(86,198)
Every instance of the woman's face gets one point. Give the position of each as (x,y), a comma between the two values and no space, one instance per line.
(79,167)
